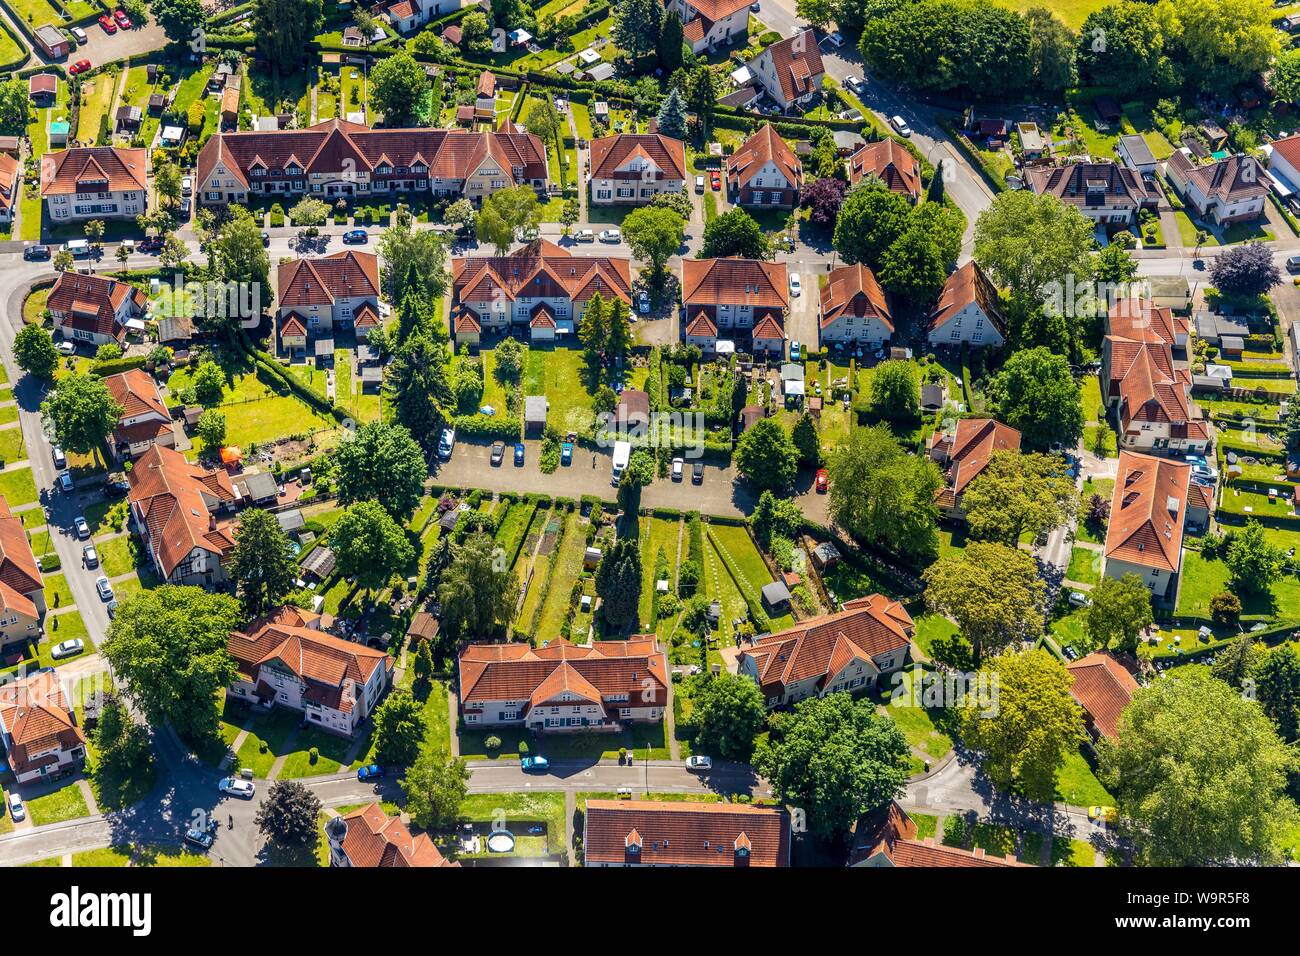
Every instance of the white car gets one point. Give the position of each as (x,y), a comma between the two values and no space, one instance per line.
(447,443)
(16,808)
(79,35)
(836,39)
(854,83)
(67,348)
(237,787)
(678,464)
(89,556)
(60,459)
(187,186)
(83,529)
(900,125)
(68,648)
(796,284)
(585,235)
(851,115)
(104,588)
(699,762)
(611,235)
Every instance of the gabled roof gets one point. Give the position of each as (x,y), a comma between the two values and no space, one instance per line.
(1149,388)
(971,445)
(716,10)
(968,285)
(487,83)
(1288,147)
(137,393)
(765,146)
(735,282)
(35,714)
(1147,511)
(1079,183)
(611,154)
(797,62)
(702,326)
(890,833)
(891,163)
(169,493)
(9,169)
(820,647)
(374,839)
(118,170)
(91,303)
(1141,320)
(686,834)
(541,270)
(1103,687)
(1230,179)
(19,574)
(853,290)
(343,275)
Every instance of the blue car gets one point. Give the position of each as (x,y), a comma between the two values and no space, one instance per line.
(534,764)
(372,772)
(566,453)
(355,237)
(519,453)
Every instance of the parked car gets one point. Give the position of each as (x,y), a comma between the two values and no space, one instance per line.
(116,487)
(89,556)
(625,793)
(566,453)
(67,347)
(699,763)
(447,443)
(854,83)
(60,459)
(36,253)
(643,304)
(699,184)
(65,483)
(104,588)
(122,19)
(519,454)
(1103,815)
(187,186)
(236,787)
(107,24)
(611,235)
(697,473)
(266,238)
(83,529)
(199,837)
(678,465)
(1079,599)
(851,115)
(1293,264)
(900,125)
(498,452)
(796,284)
(81,66)
(534,764)
(370,772)
(822,480)
(796,351)
(70,648)
(79,35)
(836,39)
(355,237)
(16,808)
(113,605)
(584,235)
(715,180)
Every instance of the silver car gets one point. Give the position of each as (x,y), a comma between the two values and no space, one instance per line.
(237,787)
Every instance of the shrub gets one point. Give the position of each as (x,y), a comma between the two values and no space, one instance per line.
(1225,608)
(313,755)
(954,830)
(493,743)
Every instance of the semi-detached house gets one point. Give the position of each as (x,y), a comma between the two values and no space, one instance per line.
(1233,189)
(706,24)
(144,421)
(1107,193)
(1147,513)
(735,298)
(968,312)
(790,70)
(97,182)
(317,297)
(634,168)
(22,591)
(92,309)
(764,172)
(38,729)
(854,309)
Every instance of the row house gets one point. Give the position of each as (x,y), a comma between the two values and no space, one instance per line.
(368,837)
(634,168)
(790,70)
(708,24)
(94,310)
(665,834)
(325,295)
(95,182)
(853,309)
(38,729)
(1283,157)
(764,172)
(1147,514)
(888,837)
(22,590)
(337,159)
(1233,189)
(848,651)
(735,298)
(1107,193)
(564,687)
(963,453)
(889,161)
(285,660)
(542,287)
(969,311)
(174,504)
(144,421)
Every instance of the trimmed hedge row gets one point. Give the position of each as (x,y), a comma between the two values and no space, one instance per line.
(504,427)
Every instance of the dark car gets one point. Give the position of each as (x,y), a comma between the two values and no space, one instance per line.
(697,473)
(116,488)
(519,453)
(36,253)
(199,837)
(150,244)
(498,452)
(372,772)
(355,237)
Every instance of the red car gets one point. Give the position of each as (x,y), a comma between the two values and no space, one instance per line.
(122,19)
(822,480)
(715,181)
(81,66)
(107,23)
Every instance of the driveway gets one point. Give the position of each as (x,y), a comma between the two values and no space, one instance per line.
(102,48)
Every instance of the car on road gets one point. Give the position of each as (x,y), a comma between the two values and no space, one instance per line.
(519,454)
(355,237)
(566,453)
(104,588)
(755,7)
(16,808)
(796,351)
(625,793)
(854,83)
(1103,815)
(498,453)
(584,235)
(1293,264)
(151,244)
(65,483)
(534,764)
(447,443)
(81,66)
(900,125)
(70,648)
(699,763)
(370,772)
(678,465)
(715,180)
(796,284)
(822,480)
(611,235)
(122,19)
(199,837)
(83,529)
(836,39)
(697,473)
(60,459)
(107,24)
(79,35)
(113,605)
(36,253)
(237,787)
(89,556)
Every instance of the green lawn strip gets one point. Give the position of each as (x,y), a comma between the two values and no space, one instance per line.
(116,556)
(57,592)
(926,825)
(656,534)
(1064,851)
(169,856)
(567,569)
(18,486)
(108,856)
(748,562)
(48,861)
(1202,579)
(1105,487)
(331,751)
(11,445)
(1077,784)
(639,740)
(267,739)
(560,374)
(919,724)
(562,525)
(66,803)
(544,807)
(1085,565)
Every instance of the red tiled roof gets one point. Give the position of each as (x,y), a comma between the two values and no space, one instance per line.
(768,328)
(43,84)
(685,834)
(702,325)
(1230,179)
(735,282)
(1119,185)
(36,715)
(541,270)
(971,446)
(890,832)
(487,83)
(716,10)
(891,163)
(1147,511)
(821,646)
(610,154)
(465,321)
(19,574)
(1103,687)
(853,290)
(797,62)
(1288,147)
(343,275)
(374,839)
(968,284)
(82,170)
(764,147)
(291,326)
(1149,388)
(137,393)
(90,303)
(1141,320)
(169,493)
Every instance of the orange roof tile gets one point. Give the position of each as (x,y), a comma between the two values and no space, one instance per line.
(853,290)
(541,270)
(968,284)
(735,282)
(19,572)
(93,169)
(137,393)
(169,494)
(1103,687)
(610,154)
(374,839)
(970,447)
(797,62)
(343,275)
(1147,511)
(764,147)
(685,834)
(37,718)
(891,163)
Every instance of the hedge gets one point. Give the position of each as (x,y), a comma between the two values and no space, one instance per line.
(124,364)
(504,427)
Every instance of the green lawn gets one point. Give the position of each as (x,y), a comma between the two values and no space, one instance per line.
(268,738)
(657,534)
(108,856)
(116,556)
(747,562)
(11,445)
(640,740)
(560,374)
(1077,785)
(918,724)
(96,102)
(66,803)
(57,592)
(1085,565)
(567,569)
(18,486)
(547,808)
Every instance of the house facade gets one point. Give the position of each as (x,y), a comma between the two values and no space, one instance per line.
(10,179)
(634,168)
(38,728)
(542,287)
(1147,512)
(963,453)
(969,311)
(93,309)
(737,298)
(790,70)
(339,160)
(888,838)
(664,833)
(854,309)
(1232,189)
(563,687)
(174,505)
(707,24)
(321,296)
(22,590)
(285,660)
(1107,193)
(847,651)
(96,182)
(764,172)
(145,420)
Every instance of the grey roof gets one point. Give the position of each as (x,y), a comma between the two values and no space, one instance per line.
(1138,150)
(320,562)
(259,486)
(1211,326)
(325,347)
(792,372)
(932,395)
(1232,343)
(775,593)
(535,408)
(601,71)
(290,520)
(179,328)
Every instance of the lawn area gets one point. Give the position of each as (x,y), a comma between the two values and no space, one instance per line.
(96,103)
(567,569)
(657,534)
(719,586)
(931,627)
(640,740)
(268,738)
(1202,579)
(66,803)
(116,556)
(11,445)
(18,486)
(1105,487)
(746,560)
(560,375)
(920,725)
(268,419)
(1187,230)
(331,752)
(547,808)
(57,592)
(1085,565)
(108,856)
(1077,785)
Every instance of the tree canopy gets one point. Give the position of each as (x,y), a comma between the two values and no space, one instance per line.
(993,592)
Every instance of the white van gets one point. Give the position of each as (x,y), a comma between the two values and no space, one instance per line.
(80,248)
(622,453)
